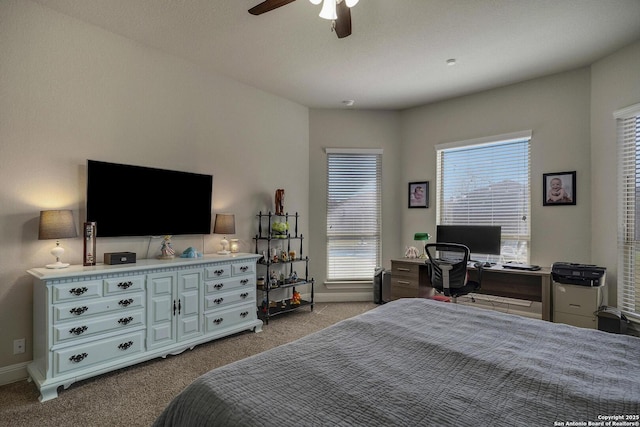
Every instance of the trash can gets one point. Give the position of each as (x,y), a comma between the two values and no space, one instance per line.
(610,319)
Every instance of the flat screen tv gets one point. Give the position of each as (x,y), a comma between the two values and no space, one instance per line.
(127,200)
(480,239)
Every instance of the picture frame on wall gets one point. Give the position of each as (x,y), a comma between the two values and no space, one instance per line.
(419,194)
(559,188)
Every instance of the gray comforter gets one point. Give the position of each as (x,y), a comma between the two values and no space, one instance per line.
(421,362)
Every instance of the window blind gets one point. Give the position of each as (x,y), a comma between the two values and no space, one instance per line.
(488,183)
(353,214)
(628,121)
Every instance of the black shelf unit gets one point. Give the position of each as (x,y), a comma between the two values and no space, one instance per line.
(280,271)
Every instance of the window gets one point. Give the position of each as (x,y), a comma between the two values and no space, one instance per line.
(628,212)
(353,213)
(487,182)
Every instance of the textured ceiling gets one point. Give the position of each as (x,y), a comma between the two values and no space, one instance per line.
(396,56)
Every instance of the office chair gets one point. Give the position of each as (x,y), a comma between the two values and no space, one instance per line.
(448,269)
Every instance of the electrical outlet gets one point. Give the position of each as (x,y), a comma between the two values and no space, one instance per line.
(18,346)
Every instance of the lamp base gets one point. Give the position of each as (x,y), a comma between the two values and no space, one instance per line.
(223,252)
(57,265)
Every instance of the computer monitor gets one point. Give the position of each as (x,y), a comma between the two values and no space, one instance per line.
(480,239)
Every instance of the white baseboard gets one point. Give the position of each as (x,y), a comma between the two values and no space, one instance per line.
(344,297)
(13,373)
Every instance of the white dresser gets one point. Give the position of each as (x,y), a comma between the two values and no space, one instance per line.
(91,320)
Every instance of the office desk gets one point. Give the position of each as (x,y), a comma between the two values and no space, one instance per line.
(410,279)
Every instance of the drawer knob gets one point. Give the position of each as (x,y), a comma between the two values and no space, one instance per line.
(218,300)
(244,281)
(244,295)
(126,302)
(125,345)
(78,291)
(78,331)
(244,314)
(219,272)
(78,310)
(125,285)
(244,268)
(218,285)
(218,320)
(77,358)
(125,320)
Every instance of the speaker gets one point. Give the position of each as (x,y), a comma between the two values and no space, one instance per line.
(113,258)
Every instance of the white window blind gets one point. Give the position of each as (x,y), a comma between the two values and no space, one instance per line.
(487,182)
(628,121)
(353,214)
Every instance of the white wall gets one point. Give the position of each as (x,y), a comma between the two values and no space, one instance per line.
(556,109)
(615,84)
(70,91)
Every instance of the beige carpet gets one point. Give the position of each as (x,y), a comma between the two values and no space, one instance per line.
(135,396)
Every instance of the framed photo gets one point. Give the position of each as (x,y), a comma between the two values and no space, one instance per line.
(419,194)
(559,188)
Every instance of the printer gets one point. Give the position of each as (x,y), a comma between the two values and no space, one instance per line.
(578,274)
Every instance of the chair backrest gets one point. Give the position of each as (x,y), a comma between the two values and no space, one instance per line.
(447,259)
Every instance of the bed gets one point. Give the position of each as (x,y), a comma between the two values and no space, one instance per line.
(418,362)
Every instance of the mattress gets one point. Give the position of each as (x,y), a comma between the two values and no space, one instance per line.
(418,362)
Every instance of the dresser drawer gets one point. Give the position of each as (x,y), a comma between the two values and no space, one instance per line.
(88,308)
(93,353)
(92,326)
(223,300)
(218,286)
(240,269)
(76,291)
(220,271)
(222,319)
(123,284)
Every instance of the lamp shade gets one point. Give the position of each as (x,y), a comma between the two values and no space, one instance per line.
(225,224)
(56,224)
(421,236)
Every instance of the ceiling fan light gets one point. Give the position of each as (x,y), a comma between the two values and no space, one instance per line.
(351,3)
(329,10)
(315,1)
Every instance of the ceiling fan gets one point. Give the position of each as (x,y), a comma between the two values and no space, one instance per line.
(337,11)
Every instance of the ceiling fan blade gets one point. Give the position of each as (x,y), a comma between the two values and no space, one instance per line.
(343,23)
(268,5)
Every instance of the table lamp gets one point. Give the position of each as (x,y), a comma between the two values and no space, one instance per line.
(57,224)
(224,224)
(422,237)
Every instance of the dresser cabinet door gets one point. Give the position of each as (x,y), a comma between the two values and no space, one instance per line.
(161,303)
(189,304)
